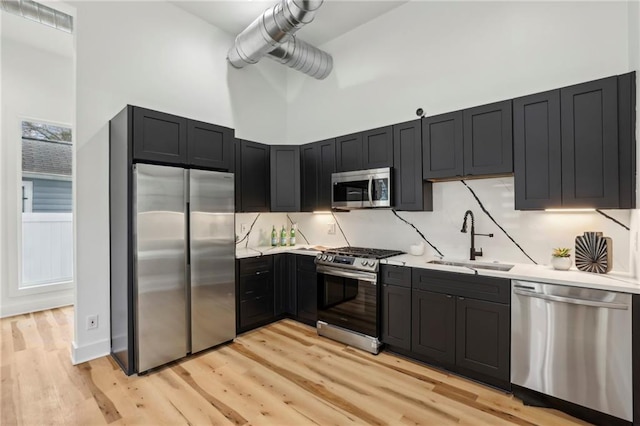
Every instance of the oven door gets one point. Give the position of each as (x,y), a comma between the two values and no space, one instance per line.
(348,299)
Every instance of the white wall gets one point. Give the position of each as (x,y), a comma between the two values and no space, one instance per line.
(36,84)
(155,55)
(445,56)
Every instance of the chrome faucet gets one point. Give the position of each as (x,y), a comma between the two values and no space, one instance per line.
(472,251)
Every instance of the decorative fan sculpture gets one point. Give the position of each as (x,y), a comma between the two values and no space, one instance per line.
(594,253)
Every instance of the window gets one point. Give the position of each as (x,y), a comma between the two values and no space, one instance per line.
(47,229)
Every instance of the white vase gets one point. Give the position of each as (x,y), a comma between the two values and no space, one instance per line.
(561,263)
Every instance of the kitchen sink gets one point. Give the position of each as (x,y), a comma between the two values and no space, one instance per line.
(474,265)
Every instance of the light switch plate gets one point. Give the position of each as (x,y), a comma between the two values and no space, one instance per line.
(331,228)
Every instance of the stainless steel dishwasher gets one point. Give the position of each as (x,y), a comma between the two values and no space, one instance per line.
(574,344)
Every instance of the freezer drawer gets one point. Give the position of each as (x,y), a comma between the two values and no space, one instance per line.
(573,344)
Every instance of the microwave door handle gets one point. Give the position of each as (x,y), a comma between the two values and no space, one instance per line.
(370,191)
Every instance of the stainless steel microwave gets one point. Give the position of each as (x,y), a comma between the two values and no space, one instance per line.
(361,189)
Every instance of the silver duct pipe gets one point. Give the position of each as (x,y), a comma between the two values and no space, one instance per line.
(303,57)
(275,28)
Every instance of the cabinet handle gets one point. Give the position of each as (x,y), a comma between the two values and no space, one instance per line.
(460,298)
(449,296)
(249,292)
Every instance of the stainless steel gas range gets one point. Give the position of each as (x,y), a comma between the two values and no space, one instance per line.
(348,295)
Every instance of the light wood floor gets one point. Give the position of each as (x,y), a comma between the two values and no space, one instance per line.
(282,374)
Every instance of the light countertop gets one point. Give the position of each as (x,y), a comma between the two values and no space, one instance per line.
(613,281)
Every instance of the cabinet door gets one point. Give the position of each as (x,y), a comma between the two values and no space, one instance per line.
(285,178)
(396,316)
(410,192)
(590,144)
(482,337)
(377,148)
(433,331)
(307,289)
(349,153)
(326,156)
(537,151)
(627,140)
(210,146)
(442,146)
(488,139)
(159,137)
(309,177)
(256,309)
(255,179)
(283,283)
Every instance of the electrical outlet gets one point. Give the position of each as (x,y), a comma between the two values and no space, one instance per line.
(331,228)
(92,322)
(244,228)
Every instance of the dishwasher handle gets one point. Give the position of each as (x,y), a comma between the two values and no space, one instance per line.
(582,302)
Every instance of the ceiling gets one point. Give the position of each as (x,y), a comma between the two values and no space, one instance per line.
(334,18)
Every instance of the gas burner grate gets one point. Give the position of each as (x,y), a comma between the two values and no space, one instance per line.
(364,252)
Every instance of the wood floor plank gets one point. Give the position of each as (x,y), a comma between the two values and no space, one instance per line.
(282,374)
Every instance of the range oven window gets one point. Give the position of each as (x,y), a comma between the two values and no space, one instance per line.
(350,303)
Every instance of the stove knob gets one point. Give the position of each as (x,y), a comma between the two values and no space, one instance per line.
(363,262)
(330,258)
(324,257)
(319,256)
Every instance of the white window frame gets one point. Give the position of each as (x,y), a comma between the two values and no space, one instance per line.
(15,287)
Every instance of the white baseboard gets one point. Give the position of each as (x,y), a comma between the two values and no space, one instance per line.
(89,352)
(19,308)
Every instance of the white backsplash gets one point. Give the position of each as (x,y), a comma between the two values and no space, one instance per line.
(536,232)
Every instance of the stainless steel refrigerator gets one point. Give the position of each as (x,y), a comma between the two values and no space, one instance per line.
(183,288)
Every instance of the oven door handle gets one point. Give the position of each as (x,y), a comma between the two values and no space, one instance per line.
(356,275)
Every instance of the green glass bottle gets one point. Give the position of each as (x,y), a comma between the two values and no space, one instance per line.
(274,237)
(292,235)
(283,237)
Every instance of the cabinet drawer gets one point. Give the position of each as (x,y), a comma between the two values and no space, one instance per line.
(396,275)
(256,285)
(255,265)
(255,310)
(474,286)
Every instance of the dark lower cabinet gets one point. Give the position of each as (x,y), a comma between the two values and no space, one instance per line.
(396,316)
(306,289)
(434,326)
(284,284)
(254,277)
(483,338)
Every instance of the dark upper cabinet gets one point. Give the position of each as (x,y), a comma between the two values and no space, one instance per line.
(537,151)
(317,163)
(168,139)
(433,329)
(159,137)
(396,306)
(377,148)
(285,178)
(590,144)
(442,146)
(252,177)
(411,192)
(349,153)
(483,338)
(371,149)
(575,147)
(488,140)
(210,146)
